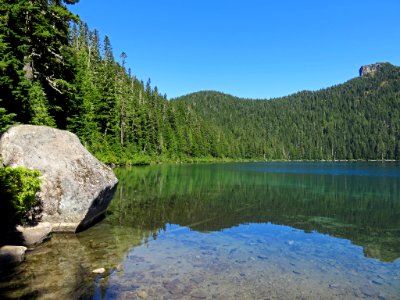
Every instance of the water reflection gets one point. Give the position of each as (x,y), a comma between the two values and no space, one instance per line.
(62,267)
(230,231)
(361,204)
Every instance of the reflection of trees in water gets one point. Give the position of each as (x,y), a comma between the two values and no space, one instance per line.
(213,197)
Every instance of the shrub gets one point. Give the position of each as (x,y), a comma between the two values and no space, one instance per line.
(18,188)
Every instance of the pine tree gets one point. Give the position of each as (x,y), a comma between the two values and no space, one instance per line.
(5,119)
(39,106)
(34,48)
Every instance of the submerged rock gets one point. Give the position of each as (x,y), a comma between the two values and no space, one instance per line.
(33,235)
(99,271)
(142,295)
(11,256)
(76,187)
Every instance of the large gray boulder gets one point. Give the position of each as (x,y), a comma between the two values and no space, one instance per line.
(76,187)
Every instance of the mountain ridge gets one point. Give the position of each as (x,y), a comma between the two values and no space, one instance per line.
(357,119)
(371,66)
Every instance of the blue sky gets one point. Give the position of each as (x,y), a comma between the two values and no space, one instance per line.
(248,48)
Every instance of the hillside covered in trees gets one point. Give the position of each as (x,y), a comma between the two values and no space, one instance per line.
(359,119)
(56,71)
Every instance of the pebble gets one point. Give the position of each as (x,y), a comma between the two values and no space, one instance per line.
(119,268)
(174,286)
(197,279)
(368,291)
(232,251)
(99,271)
(296,272)
(198,295)
(240,261)
(377,282)
(127,295)
(142,295)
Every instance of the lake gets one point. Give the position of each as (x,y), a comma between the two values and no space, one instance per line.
(231,231)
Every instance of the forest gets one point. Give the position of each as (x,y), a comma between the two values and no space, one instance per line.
(56,71)
(357,120)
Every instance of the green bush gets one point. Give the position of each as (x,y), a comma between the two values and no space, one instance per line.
(18,188)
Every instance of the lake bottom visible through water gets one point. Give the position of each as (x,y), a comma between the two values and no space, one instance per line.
(251,261)
(233,231)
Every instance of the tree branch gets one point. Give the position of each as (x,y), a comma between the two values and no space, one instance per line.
(53,85)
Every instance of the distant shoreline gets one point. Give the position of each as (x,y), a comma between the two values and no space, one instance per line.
(226,160)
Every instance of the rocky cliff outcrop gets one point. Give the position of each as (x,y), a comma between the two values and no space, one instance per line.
(369,69)
(76,187)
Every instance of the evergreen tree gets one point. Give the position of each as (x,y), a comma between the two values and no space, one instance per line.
(34,47)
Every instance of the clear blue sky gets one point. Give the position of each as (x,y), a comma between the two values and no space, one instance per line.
(248,48)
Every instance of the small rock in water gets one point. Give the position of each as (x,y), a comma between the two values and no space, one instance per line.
(197,279)
(240,261)
(368,291)
(232,251)
(296,272)
(142,295)
(290,242)
(99,271)
(119,268)
(11,255)
(262,257)
(377,282)
(199,295)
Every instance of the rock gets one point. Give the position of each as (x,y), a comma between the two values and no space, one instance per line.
(119,268)
(199,295)
(377,282)
(99,271)
(174,286)
(76,187)
(142,295)
(33,235)
(11,255)
(197,279)
(369,69)
(368,291)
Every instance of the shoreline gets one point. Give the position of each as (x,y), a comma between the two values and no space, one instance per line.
(226,160)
